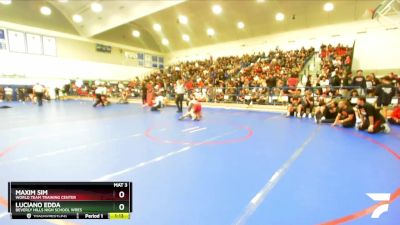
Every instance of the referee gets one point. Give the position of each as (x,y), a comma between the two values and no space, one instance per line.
(99,93)
(38,90)
(180,91)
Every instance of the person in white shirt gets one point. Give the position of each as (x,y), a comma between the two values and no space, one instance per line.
(100,91)
(8,94)
(159,102)
(180,91)
(38,90)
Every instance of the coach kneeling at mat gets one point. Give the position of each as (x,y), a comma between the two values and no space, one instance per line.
(346,115)
(371,119)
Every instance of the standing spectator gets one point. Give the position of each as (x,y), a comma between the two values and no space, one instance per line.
(385,93)
(1,94)
(360,82)
(39,90)
(57,93)
(9,93)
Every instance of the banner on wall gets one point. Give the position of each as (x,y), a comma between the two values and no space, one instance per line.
(16,41)
(49,46)
(34,44)
(3,41)
(147,61)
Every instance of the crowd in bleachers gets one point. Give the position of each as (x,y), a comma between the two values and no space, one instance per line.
(260,78)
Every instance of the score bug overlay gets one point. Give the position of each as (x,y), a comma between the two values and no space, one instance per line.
(70,200)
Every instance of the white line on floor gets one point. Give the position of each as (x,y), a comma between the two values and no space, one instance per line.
(3,214)
(158,159)
(188,129)
(142,164)
(204,128)
(262,194)
(65,150)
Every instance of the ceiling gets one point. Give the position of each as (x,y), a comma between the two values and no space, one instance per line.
(119,18)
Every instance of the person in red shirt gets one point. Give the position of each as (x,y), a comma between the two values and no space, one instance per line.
(189,85)
(150,93)
(395,116)
(194,110)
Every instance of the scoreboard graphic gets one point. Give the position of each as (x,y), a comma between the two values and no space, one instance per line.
(70,200)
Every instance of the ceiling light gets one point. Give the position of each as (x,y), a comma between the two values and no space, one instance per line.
(77,18)
(210,32)
(136,33)
(183,19)
(157,27)
(280,16)
(260,1)
(5,2)
(186,37)
(96,7)
(62,1)
(240,25)
(165,41)
(329,6)
(45,10)
(217,9)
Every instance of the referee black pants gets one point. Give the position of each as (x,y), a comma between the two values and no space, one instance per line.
(98,100)
(179,102)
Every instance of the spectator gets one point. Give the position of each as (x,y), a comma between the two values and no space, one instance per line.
(360,82)
(8,93)
(346,116)
(370,117)
(327,114)
(385,93)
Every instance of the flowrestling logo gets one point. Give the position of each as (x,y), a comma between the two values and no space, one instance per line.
(382,208)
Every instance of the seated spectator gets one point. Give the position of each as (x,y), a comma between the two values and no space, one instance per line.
(346,116)
(370,118)
(294,108)
(308,104)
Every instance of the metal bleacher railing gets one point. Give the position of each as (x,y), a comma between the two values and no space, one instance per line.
(276,95)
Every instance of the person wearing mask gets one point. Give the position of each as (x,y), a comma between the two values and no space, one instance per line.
(370,117)
(346,116)
(38,90)
(180,91)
